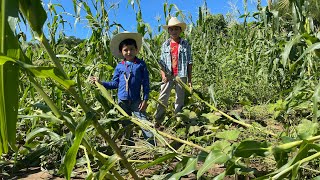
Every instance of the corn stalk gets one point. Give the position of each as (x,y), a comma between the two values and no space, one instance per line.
(9,73)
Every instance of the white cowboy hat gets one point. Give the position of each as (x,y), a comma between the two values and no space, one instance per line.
(174,21)
(117,39)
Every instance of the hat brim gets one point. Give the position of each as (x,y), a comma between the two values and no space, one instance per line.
(117,39)
(182,25)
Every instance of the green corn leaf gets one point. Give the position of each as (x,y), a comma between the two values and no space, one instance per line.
(89,170)
(3,118)
(4,59)
(316,99)
(43,72)
(49,117)
(33,11)
(77,9)
(276,21)
(46,98)
(248,148)
(220,176)
(281,158)
(24,96)
(311,48)
(40,132)
(211,117)
(307,129)
(8,105)
(295,171)
(9,75)
(158,160)
(170,8)
(228,135)
(214,157)
(107,95)
(103,171)
(66,56)
(165,10)
(287,49)
(282,172)
(190,167)
(53,73)
(223,146)
(70,159)
(264,17)
(281,169)
(230,167)
(304,152)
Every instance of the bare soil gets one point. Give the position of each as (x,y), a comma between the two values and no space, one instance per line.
(33,173)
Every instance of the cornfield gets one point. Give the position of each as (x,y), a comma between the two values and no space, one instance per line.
(252,113)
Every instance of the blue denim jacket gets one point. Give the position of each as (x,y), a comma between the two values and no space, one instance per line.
(184,57)
(139,77)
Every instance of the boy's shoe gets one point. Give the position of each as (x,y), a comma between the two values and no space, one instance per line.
(159,127)
(129,143)
(152,141)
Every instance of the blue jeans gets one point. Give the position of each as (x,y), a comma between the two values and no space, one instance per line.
(132,107)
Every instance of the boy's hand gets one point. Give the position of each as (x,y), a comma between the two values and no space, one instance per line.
(164,79)
(143,105)
(190,86)
(94,79)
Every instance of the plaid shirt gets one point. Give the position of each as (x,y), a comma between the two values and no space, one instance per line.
(184,57)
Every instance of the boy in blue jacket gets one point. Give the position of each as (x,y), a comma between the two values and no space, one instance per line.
(130,75)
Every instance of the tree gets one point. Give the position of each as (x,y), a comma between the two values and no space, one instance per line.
(71,41)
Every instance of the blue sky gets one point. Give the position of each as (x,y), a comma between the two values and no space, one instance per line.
(125,15)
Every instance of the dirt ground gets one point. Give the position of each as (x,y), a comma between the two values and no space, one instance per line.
(37,174)
(32,174)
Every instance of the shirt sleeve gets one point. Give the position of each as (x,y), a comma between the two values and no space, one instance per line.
(163,60)
(114,83)
(189,54)
(145,82)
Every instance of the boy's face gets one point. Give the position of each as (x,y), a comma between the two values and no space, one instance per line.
(129,52)
(174,32)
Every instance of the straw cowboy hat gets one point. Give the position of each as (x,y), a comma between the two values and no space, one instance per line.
(117,39)
(174,21)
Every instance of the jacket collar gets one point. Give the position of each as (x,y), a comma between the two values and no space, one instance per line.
(135,60)
(182,41)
